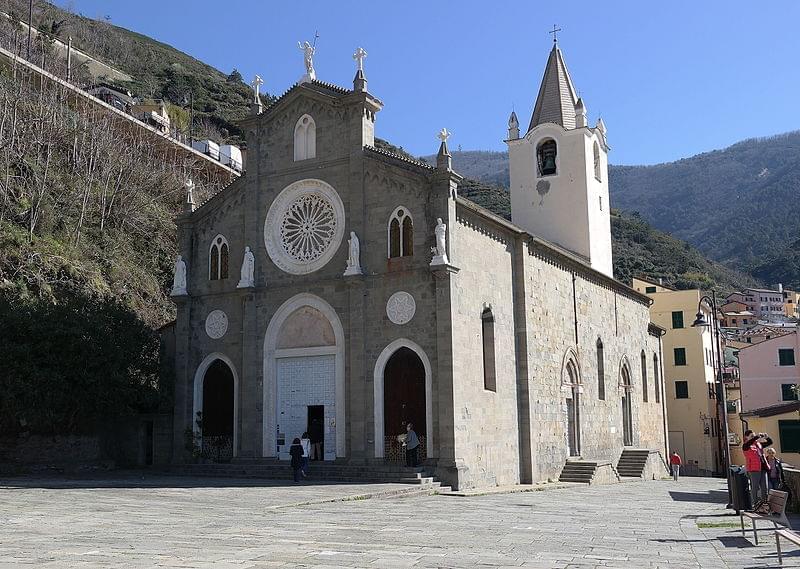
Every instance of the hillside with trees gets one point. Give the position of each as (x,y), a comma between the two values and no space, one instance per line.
(738,206)
(158,71)
(639,249)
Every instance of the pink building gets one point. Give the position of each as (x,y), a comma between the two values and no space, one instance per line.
(769,371)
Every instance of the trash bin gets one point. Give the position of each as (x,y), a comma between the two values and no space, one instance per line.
(740,489)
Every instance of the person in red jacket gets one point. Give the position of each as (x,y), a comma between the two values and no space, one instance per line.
(675,464)
(755,463)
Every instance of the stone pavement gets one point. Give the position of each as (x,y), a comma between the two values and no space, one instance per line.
(184,522)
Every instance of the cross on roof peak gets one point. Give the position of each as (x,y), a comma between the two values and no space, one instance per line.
(555,31)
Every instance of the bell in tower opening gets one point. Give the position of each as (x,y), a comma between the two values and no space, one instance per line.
(546,156)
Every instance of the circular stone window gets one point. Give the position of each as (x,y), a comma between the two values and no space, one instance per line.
(216,324)
(400,307)
(304,227)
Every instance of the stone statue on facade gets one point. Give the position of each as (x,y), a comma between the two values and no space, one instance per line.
(247,279)
(440,250)
(354,256)
(308,55)
(179,279)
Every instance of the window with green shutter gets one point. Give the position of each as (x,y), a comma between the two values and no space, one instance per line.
(650,289)
(786,356)
(789,433)
(788,392)
(681,390)
(680,356)
(677,319)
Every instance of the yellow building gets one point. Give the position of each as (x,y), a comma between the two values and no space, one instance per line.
(688,376)
(781,422)
(791,299)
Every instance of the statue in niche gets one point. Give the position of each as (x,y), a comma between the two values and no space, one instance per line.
(354,255)
(179,279)
(247,279)
(440,250)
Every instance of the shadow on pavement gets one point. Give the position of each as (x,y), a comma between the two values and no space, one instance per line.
(709,497)
(735,541)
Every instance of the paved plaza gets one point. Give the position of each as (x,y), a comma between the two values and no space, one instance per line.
(135,521)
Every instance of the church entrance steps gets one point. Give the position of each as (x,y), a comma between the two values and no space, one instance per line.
(581,471)
(589,472)
(632,462)
(318,471)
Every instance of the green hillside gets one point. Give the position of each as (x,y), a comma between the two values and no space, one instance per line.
(159,71)
(638,248)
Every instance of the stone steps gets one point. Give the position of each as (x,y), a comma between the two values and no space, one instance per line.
(579,471)
(322,472)
(632,462)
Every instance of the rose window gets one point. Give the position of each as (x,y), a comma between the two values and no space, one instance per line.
(304,226)
(308,228)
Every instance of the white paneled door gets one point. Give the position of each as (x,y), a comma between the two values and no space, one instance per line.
(304,382)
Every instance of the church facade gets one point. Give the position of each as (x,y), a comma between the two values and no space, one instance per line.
(371,295)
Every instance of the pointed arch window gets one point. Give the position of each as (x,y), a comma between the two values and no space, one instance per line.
(546,157)
(601,371)
(597,175)
(656,378)
(401,233)
(487,337)
(218,259)
(305,138)
(644,377)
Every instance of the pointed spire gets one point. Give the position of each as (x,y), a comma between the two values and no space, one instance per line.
(188,205)
(513,126)
(580,114)
(557,98)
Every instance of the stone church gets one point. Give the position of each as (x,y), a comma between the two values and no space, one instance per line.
(371,295)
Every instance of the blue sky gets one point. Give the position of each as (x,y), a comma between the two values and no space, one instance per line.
(670,79)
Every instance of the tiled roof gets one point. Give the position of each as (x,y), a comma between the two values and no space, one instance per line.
(772,410)
(320,86)
(556,100)
(382,152)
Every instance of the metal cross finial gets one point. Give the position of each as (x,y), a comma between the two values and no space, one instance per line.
(256,83)
(443,135)
(555,31)
(359,56)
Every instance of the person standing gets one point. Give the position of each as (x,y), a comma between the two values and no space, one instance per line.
(296,452)
(675,464)
(775,472)
(317,432)
(756,464)
(305,442)
(412,445)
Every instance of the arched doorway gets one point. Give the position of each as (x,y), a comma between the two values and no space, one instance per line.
(218,411)
(390,412)
(403,402)
(573,409)
(627,414)
(215,409)
(304,379)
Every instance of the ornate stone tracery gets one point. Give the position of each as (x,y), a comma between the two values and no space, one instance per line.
(400,307)
(304,226)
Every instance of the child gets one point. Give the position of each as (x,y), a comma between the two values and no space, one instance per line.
(296,452)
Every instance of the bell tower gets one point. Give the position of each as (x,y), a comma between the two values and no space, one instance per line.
(559,171)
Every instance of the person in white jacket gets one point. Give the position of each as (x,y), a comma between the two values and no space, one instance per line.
(305,442)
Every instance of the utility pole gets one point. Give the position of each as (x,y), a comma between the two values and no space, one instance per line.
(30,26)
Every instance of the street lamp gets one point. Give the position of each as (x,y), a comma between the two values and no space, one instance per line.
(721,393)
(188,99)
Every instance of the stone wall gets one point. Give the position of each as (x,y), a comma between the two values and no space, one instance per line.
(486,425)
(570,311)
